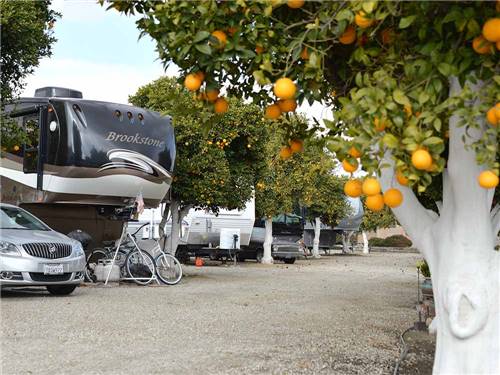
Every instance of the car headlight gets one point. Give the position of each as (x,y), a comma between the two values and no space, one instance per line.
(78,249)
(7,248)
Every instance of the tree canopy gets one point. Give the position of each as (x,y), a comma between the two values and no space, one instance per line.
(216,167)
(383,66)
(27,36)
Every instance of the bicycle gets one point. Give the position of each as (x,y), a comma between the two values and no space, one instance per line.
(139,265)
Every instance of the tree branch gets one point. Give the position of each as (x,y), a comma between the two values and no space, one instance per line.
(414,217)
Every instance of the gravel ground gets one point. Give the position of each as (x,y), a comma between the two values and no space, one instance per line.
(341,314)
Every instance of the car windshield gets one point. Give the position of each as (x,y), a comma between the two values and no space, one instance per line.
(14,218)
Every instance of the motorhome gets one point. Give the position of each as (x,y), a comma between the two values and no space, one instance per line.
(81,164)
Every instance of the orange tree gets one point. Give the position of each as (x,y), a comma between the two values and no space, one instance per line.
(216,166)
(415,86)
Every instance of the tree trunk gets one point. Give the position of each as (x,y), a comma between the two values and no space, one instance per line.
(465,268)
(317,233)
(346,241)
(177,215)
(268,242)
(366,248)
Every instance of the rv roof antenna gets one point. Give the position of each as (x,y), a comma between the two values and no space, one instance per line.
(57,92)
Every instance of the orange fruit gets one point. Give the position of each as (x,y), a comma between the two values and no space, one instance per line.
(352,188)
(295,4)
(287,105)
(421,159)
(192,82)
(273,112)
(387,36)
(487,179)
(200,75)
(362,21)
(221,105)
(285,152)
(481,45)
(304,55)
(284,88)
(491,116)
(371,186)
(16,148)
(375,202)
(379,124)
(212,95)
(221,37)
(354,152)
(348,167)
(296,145)
(497,111)
(349,35)
(259,49)
(498,45)
(402,179)
(393,198)
(491,30)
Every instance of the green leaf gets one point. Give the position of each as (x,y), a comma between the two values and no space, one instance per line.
(390,140)
(423,98)
(201,35)
(432,141)
(400,97)
(344,14)
(369,6)
(406,21)
(204,48)
(445,69)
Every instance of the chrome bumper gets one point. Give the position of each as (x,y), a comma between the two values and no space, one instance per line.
(73,268)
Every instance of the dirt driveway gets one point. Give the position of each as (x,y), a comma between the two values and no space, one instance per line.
(336,315)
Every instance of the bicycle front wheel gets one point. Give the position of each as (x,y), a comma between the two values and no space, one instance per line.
(140,267)
(168,269)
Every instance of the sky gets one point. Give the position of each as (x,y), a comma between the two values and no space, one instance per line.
(99,53)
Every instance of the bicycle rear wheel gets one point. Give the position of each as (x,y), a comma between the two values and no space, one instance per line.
(168,269)
(140,267)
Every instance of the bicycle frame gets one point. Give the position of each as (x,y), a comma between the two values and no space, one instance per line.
(126,235)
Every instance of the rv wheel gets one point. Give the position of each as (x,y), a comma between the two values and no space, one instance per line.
(259,256)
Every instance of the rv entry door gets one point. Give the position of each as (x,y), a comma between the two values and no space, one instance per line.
(33,120)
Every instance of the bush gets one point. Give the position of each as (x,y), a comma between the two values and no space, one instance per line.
(376,242)
(397,240)
(392,241)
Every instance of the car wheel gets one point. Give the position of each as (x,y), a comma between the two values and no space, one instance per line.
(61,290)
(259,256)
(289,260)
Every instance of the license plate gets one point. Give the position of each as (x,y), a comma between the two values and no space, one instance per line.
(53,269)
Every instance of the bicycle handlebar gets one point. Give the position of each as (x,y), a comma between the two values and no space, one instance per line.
(137,231)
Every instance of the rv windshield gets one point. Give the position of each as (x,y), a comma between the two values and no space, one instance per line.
(14,218)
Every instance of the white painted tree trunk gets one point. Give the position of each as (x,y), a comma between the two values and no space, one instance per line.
(268,242)
(317,233)
(465,269)
(177,215)
(366,248)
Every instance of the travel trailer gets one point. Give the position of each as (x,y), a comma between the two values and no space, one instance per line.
(345,228)
(230,232)
(82,164)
